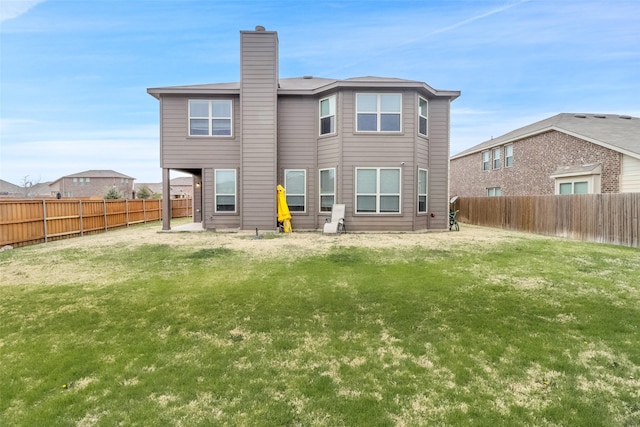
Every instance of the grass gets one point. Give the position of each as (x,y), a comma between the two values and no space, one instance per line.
(530,332)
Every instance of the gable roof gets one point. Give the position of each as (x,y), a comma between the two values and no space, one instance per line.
(613,131)
(306,85)
(95,174)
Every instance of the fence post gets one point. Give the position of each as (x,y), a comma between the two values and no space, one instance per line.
(104,203)
(81,222)
(126,211)
(144,211)
(44,217)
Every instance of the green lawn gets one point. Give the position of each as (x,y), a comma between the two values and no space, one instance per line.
(525,332)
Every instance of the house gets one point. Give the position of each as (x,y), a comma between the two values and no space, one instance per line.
(378,145)
(29,189)
(93,183)
(181,187)
(564,154)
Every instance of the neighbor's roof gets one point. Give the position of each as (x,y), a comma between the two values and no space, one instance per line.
(96,174)
(306,85)
(613,131)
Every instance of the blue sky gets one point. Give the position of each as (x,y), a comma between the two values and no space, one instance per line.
(74,74)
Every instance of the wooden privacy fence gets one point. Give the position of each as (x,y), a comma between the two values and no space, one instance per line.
(603,218)
(24,222)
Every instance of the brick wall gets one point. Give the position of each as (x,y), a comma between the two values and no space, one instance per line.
(534,160)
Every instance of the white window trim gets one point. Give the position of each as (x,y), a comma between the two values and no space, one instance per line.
(426,194)
(215,191)
(304,171)
(210,118)
(377,193)
(420,98)
(593,183)
(494,158)
(507,157)
(494,190)
(333,193)
(332,101)
(378,113)
(486,154)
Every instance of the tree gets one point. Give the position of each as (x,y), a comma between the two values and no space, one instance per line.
(27,186)
(113,193)
(144,193)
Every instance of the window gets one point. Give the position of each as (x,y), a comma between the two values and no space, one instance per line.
(377,190)
(378,112)
(422,116)
(494,192)
(295,184)
(496,158)
(578,187)
(485,161)
(75,180)
(327,189)
(225,190)
(422,190)
(328,115)
(210,118)
(87,180)
(508,156)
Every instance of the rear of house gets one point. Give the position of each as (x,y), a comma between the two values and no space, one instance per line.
(378,145)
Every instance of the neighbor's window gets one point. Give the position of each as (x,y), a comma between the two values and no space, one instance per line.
(422,190)
(494,192)
(328,115)
(295,184)
(378,112)
(486,161)
(327,189)
(422,116)
(496,158)
(578,187)
(225,190)
(377,190)
(210,117)
(508,156)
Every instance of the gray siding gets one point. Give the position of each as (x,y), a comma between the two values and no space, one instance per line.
(181,151)
(258,94)
(439,163)
(378,150)
(297,140)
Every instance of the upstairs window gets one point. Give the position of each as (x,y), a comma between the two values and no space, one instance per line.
(210,117)
(422,116)
(378,190)
(327,189)
(496,158)
(328,115)
(295,184)
(485,160)
(422,190)
(508,156)
(378,112)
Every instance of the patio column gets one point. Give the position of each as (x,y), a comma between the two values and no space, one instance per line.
(166,199)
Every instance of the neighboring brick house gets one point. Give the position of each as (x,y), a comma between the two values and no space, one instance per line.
(564,154)
(378,145)
(92,183)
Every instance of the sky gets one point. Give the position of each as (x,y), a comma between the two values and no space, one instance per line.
(74,73)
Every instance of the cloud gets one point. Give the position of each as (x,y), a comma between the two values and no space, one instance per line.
(10,9)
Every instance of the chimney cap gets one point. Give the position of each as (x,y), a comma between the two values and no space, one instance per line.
(259,28)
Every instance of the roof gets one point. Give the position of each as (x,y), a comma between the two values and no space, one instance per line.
(305,85)
(616,132)
(96,174)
